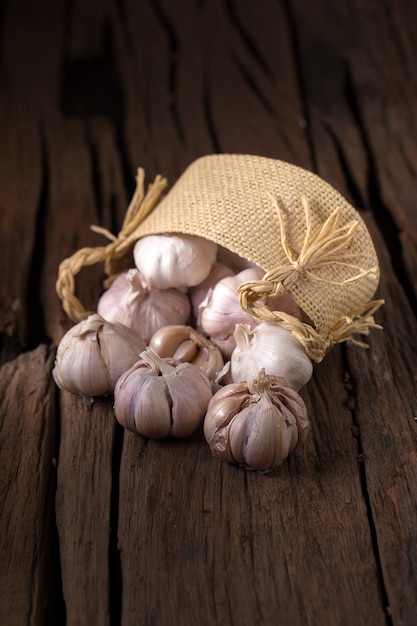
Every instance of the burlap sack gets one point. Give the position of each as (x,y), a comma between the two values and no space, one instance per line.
(306,237)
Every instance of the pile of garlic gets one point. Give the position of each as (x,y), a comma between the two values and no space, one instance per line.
(172,344)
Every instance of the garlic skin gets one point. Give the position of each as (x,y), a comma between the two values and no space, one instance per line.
(256,424)
(174,260)
(131,301)
(93,354)
(199,293)
(160,398)
(272,347)
(186,344)
(221,310)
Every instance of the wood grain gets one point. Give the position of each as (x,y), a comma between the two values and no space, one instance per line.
(28,477)
(83,507)
(131,531)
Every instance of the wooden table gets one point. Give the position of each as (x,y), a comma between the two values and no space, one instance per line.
(99,526)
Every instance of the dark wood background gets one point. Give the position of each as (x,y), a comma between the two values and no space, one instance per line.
(100,527)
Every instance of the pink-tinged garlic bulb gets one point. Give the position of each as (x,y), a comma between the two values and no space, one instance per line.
(174,260)
(161,398)
(186,344)
(273,348)
(256,424)
(131,301)
(93,354)
(199,293)
(221,310)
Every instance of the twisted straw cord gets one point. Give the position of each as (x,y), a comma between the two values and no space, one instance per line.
(112,254)
(65,285)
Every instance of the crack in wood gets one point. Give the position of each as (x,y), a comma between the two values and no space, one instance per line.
(351,404)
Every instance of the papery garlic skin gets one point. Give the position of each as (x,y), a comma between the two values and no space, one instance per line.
(199,293)
(221,310)
(160,398)
(256,424)
(93,354)
(272,347)
(174,260)
(131,301)
(186,344)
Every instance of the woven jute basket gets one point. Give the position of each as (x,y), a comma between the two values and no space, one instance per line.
(303,233)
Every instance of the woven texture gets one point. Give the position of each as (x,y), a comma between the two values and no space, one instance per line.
(261,209)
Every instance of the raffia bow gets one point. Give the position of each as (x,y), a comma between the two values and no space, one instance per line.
(329,245)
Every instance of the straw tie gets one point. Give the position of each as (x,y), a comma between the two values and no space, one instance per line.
(329,245)
(116,255)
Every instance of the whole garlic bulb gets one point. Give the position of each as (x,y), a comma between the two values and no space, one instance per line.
(272,347)
(131,301)
(161,398)
(221,310)
(93,354)
(174,260)
(186,344)
(256,424)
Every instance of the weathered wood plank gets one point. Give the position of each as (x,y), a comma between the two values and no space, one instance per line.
(28,578)
(100,90)
(386,408)
(20,184)
(83,506)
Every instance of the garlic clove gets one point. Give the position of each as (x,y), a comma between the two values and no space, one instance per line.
(174,260)
(188,345)
(187,351)
(166,340)
(93,354)
(154,418)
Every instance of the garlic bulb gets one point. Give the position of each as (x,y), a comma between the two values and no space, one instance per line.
(221,310)
(186,344)
(199,293)
(175,260)
(256,424)
(160,398)
(131,301)
(272,347)
(93,354)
